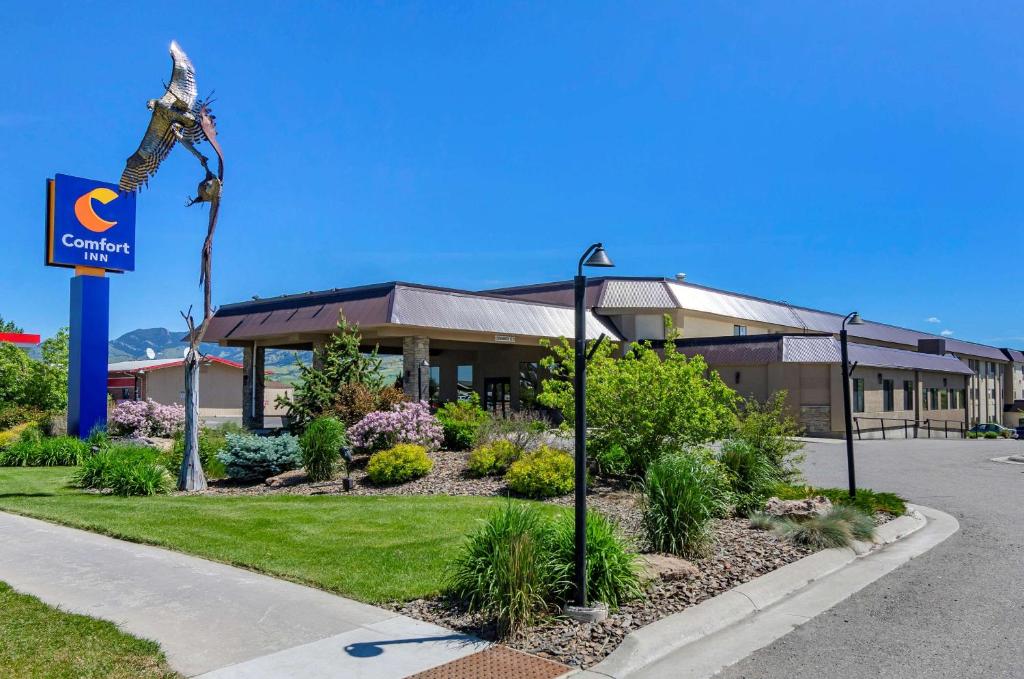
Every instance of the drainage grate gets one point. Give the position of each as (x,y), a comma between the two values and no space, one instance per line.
(496,662)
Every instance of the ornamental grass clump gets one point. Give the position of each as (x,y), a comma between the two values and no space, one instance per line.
(505,568)
(493,459)
(683,492)
(816,532)
(256,458)
(399,464)
(613,574)
(407,423)
(862,526)
(124,470)
(543,473)
(35,450)
(753,476)
(321,447)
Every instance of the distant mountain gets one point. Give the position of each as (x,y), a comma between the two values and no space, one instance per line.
(280,363)
(165,343)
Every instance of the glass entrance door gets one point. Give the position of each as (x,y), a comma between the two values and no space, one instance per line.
(498,395)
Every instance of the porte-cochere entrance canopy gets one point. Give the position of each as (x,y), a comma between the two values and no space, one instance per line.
(451,341)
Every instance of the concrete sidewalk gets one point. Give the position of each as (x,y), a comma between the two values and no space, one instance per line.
(216,619)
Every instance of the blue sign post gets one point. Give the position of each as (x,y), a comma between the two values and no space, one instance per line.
(90,227)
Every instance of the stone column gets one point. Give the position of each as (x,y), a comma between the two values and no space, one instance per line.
(415,350)
(253,368)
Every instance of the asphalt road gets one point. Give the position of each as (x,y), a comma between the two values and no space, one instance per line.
(956,611)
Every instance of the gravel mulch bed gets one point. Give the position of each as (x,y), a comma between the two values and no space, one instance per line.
(740,554)
(448,477)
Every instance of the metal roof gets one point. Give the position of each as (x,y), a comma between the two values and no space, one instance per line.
(160,363)
(765,349)
(1014,355)
(648,293)
(402,304)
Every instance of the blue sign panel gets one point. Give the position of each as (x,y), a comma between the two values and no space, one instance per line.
(90,224)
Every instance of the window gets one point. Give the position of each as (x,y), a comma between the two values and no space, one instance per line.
(934,397)
(464,382)
(434,390)
(952,399)
(738,375)
(944,402)
(908,395)
(529,385)
(888,396)
(739,330)
(650,327)
(858,395)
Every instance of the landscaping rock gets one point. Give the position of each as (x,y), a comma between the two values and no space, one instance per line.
(812,506)
(288,478)
(666,567)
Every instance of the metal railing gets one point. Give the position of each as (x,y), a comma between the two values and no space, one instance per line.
(926,424)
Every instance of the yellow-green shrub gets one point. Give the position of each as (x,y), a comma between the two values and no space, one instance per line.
(493,458)
(398,464)
(546,472)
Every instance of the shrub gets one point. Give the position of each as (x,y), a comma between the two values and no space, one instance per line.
(461,420)
(322,385)
(212,440)
(991,435)
(407,423)
(354,401)
(249,458)
(862,526)
(817,532)
(867,500)
(642,402)
(34,451)
(14,433)
(972,434)
(612,567)
(504,568)
(545,472)
(124,470)
(683,492)
(398,464)
(321,447)
(493,459)
(521,429)
(146,418)
(13,414)
(611,461)
(752,475)
(771,430)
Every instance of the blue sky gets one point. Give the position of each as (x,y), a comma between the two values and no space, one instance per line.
(835,155)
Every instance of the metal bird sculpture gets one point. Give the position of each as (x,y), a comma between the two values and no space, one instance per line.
(179,116)
(175,118)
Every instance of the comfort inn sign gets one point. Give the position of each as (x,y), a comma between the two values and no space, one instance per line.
(89,224)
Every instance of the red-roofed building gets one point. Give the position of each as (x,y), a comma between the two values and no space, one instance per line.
(163,380)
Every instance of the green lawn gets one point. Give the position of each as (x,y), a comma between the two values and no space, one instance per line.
(39,641)
(369,548)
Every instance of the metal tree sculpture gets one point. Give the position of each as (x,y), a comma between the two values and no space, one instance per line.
(179,116)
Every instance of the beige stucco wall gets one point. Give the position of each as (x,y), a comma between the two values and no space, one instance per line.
(220,387)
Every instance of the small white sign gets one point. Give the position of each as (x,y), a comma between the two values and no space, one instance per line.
(505,339)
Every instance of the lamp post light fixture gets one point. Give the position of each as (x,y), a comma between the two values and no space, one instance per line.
(597,257)
(852,318)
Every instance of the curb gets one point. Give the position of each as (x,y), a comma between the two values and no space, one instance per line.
(652,643)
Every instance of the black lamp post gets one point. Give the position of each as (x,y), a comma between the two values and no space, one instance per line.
(594,256)
(853,319)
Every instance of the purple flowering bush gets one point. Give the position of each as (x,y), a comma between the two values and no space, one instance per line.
(146,418)
(407,423)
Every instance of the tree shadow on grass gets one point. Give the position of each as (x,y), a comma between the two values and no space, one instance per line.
(3,495)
